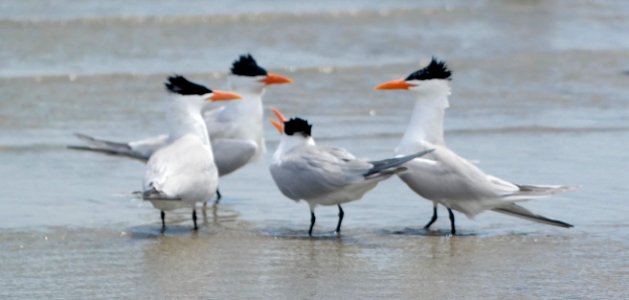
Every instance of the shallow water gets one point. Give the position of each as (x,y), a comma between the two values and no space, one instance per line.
(539,96)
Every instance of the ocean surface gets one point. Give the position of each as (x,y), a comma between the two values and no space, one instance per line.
(540,96)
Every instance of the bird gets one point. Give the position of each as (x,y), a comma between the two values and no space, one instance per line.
(324,175)
(443,176)
(183,172)
(235,128)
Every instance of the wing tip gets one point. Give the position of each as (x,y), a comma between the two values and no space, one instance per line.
(153,194)
(521,212)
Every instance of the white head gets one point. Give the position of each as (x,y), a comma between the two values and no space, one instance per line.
(430,82)
(247,76)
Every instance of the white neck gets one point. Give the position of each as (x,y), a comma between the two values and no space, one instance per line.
(184,117)
(246,84)
(250,106)
(247,114)
(426,124)
(289,142)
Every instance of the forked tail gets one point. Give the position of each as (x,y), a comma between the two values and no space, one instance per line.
(521,212)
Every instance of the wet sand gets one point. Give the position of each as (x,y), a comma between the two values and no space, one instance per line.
(539,96)
(225,260)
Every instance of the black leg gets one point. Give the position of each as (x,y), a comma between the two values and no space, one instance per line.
(163,215)
(194,218)
(434,217)
(341,214)
(218,197)
(312,221)
(452,221)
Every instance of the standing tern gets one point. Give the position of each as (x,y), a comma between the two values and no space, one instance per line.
(324,175)
(183,172)
(444,177)
(235,129)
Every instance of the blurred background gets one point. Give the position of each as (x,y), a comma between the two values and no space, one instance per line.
(539,96)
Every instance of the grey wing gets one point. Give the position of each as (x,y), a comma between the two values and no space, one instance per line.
(217,125)
(148,146)
(315,172)
(446,178)
(110,147)
(231,154)
(491,185)
(337,162)
(456,183)
(515,210)
(338,153)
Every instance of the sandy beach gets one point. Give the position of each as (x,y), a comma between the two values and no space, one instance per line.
(539,96)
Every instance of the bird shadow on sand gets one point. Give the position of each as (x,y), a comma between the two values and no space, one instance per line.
(485,232)
(293,234)
(180,225)
(426,232)
(154,231)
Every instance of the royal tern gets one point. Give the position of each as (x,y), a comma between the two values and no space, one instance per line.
(235,128)
(324,175)
(444,177)
(183,172)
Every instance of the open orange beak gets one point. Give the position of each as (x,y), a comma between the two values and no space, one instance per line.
(224,96)
(398,84)
(278,124)
(272,78)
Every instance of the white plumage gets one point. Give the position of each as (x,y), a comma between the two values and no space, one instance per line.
(324,175)
(183,172)
(443,176)
(235,128)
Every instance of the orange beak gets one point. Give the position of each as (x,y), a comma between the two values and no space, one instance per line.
(272,78)
(278,124)
(398,84)
(224,96)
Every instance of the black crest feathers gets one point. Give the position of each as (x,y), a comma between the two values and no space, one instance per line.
(295,125)
(247,66)
(437,69)
(180,85)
